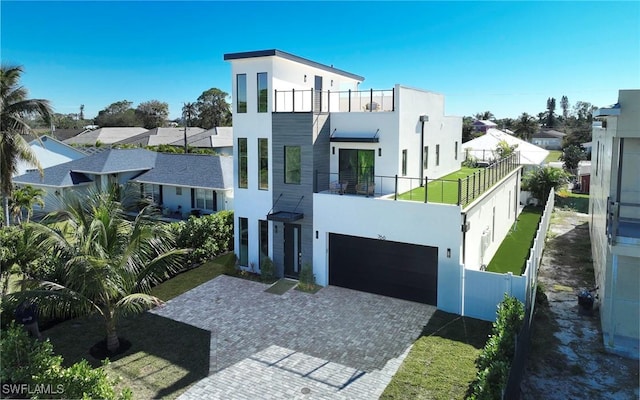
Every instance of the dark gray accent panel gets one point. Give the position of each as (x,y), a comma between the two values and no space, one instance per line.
(293,129)
(321,150)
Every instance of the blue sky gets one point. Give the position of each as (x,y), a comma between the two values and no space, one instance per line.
(506,57)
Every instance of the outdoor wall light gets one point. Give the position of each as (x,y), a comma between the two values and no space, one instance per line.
(276,228)
(448,253)
(316,234)
(332,83)
(305,78)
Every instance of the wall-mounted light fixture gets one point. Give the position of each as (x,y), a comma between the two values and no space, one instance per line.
(305,78)
(275,227)
(332,83)
(316,234)
(448,253)
(379,151)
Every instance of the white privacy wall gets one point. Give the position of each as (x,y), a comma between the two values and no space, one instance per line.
(436,225)
(480,217)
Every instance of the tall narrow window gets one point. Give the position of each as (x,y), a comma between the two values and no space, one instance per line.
(243,181)
(241,93)
(263,157)
(262,92)
(437,155)
(404,162)
(205,199)
(292,164)
(456,151)
(264,240)
(243,257)
(425,157)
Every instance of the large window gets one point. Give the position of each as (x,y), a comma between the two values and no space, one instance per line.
(243,225)
(263,157)
(205,199)
(152,192)
(264,240)
(241,93)
(404,162)
(292,164)
(437,155)
(262,92)
(243,180)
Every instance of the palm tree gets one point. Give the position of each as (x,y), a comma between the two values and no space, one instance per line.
(14,110)
(109,262)
(485,116)
(25,198)
(525,126)
(188,111)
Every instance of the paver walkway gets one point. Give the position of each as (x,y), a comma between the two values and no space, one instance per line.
(337,343)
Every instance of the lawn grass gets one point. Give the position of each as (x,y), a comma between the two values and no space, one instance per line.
(444,190)
(193,277)
(514,250)
(554,155)
(573,201)
(441,363)
(165,357)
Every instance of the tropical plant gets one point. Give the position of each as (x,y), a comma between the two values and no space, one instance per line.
(541,180)
(110,262)
(15,110)
(525,126)
(572,155)
(267,270)
(189,111)
(504,150)
(207,236)
(307,278)
(25,198)
(485,116)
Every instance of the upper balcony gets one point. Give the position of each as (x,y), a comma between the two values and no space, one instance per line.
(311,100)
(623,223)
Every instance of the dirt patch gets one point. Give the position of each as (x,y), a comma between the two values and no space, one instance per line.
(567,358)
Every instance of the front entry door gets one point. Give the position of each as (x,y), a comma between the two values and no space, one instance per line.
(292,250)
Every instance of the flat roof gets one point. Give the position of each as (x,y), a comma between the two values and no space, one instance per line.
(292,57)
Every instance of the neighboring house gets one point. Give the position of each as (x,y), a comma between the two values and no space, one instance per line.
(482,125)
(548,139)
(483,148)
(104,135)
(158,136)
(49,152)
(319,164)
(184,182)
(219,139)
(614,201)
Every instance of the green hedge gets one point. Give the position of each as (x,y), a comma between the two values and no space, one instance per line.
(207,236)
(495,360)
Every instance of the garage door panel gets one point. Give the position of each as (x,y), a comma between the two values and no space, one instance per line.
(384,267)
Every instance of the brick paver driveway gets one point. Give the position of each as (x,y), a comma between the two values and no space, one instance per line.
(335,343)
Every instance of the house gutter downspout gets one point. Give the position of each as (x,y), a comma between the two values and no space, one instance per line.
(463,275)
(423,119)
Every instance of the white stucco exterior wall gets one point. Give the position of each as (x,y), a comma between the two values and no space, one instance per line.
(436,225)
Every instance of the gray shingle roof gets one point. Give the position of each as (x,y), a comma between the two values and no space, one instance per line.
(116,160)
(58,176)
(190,170)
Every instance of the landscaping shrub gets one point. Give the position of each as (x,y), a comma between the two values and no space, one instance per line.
(207,236)
(307,278)
(32,362)
(495,360)
(267,270)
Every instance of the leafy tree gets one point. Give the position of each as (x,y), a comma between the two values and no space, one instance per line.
(505,123)
(110,263)
(525,126)
(485,116)
(213,109)
(81,112)
(119,113)
(15,109)
(540,181)
(504,150)
(551,113)
(25,198)
(572,155)
(564,104)
(467,129)
(189,110)
(153,113)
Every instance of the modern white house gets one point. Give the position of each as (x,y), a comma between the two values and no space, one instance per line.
(181,183)
(614,201)
(323,171)
(483,148)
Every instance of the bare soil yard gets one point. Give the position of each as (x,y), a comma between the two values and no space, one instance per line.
(567,358)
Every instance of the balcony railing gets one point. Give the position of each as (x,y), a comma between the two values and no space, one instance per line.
(444,191)
(333,101)
(622,221)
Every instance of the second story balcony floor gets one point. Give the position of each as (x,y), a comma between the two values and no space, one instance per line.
(623,222)
(310,100)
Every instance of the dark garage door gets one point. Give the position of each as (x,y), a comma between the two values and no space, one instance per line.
(401,270)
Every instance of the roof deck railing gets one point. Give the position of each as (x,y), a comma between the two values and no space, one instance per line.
(310,100)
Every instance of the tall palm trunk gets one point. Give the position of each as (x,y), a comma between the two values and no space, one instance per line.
(113,343)
(5,208)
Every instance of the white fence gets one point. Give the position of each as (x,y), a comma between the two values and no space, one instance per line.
(483,290)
